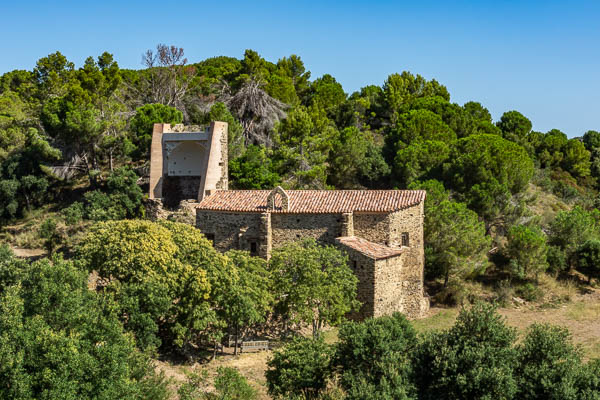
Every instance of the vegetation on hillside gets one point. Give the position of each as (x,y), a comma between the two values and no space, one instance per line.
(506,207)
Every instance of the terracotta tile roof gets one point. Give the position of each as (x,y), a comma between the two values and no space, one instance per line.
(314,201)
(372,250)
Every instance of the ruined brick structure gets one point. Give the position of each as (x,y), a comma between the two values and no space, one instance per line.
(380,230)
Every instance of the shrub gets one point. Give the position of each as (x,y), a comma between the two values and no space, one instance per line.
(588,258)
(74,213)
(557,259)
(472,360)
(302,368)
(229,385)
(121,199)
(50,234)
(548,365)
(375,358)
(527,249)
(529,292)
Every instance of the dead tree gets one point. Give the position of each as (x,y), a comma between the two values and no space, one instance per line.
(168,77)
(257,112)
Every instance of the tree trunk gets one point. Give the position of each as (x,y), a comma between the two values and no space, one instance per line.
(446,277)
(237,328)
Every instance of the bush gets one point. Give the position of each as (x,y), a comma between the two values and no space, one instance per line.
(529,292)
(375,358)
(472,360)
(302,368)
(74,213)
(229,385)
(50,234)
(588,259)
(527,250)
(121,199)
(548,365)
(557,259)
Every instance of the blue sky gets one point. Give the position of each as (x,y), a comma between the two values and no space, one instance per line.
(541,58)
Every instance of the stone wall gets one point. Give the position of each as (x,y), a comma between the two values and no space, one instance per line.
(373,227)
(385,285)
(230,230)
(410,221)
(287,228)
(364,268)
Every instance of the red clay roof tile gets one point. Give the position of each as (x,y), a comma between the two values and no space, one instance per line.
(372,250)
(314,201)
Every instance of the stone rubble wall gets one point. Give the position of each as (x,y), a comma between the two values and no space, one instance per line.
(230,230)
(287,228)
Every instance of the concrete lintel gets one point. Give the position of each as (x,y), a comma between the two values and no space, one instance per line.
(180,137)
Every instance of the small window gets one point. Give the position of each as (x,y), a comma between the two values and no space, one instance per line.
(354,264)
(405,240)
(253,249)
(211,238)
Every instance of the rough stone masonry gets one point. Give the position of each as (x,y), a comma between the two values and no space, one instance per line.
(380,230)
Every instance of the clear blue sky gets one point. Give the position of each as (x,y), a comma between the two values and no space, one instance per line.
(541,58)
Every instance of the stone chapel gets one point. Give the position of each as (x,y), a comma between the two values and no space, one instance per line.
(381,231)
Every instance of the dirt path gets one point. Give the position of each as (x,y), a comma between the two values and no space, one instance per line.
(28,253)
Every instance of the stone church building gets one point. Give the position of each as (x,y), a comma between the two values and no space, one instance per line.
(381,231)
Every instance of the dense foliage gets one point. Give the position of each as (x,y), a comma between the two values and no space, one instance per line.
(502,200)
(59,340)
(477,358)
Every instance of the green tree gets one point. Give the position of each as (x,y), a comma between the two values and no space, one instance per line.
(325,92)
(375,358)
(588,258)
(254,169)
(455,240)
(235,137)
(472,360)
(548,365)
(143,121)
(571,228)
(59,340)
(576,159)
(551,151)
(486,170)
(313,283)
(514,126)
(301,368)
(293,67)
(418,125)
(527,250)
(157,275)
(304,141)
(250,297)
(591,140)
(400,89)
(355,158)
(420,160)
